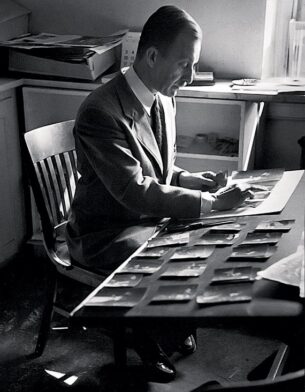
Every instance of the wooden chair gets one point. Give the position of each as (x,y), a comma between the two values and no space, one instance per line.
(53,176)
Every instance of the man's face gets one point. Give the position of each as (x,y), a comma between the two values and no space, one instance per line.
(175,68)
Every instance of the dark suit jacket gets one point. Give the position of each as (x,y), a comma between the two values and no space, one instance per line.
(124,185)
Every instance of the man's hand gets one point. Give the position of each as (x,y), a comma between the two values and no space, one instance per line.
(231,197)
(204,181)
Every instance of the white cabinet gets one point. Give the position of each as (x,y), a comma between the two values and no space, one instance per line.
(12,216)
(215,134)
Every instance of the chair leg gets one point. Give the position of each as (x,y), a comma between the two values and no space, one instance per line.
(47,315)
(279,361)
(272,366)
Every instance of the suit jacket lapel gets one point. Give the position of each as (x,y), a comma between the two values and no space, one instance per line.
(140,124)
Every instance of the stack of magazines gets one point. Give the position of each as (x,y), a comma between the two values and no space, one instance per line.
(73,56)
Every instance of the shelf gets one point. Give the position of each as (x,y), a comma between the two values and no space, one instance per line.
(207,156)
(208,144)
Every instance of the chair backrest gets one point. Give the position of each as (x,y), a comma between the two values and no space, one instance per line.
(52,152)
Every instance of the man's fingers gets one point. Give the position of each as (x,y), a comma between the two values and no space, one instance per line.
(248,194)
(209,174)
(208,182)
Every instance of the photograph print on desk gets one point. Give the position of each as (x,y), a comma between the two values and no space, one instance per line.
(193,252)
(254,252)
(175,293)
(218,239)
(184,269)
(262,238)
(169,240)
(225,293)
(117,296)
(124,280)
(279,225)
(142,266)
(154,252)
(234,274)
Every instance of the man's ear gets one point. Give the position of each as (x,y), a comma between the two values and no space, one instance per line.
(151,56)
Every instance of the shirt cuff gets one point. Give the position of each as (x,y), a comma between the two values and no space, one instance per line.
(206,203)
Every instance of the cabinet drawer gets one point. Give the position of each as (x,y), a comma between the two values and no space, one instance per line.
(43,106)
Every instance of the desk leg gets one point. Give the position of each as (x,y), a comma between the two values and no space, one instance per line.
(119,347)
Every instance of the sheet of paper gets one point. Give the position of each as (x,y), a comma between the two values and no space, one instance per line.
(289,270)
(276,201)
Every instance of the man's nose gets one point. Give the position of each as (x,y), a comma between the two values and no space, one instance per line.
(189,75)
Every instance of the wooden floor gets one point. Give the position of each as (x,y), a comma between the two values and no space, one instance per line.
(86,357)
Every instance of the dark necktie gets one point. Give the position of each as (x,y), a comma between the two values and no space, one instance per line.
(156,121)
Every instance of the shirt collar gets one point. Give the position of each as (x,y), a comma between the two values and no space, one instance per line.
(144,95)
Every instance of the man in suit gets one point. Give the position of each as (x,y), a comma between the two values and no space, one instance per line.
(126,155)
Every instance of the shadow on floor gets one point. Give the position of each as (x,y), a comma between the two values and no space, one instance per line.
(82,360)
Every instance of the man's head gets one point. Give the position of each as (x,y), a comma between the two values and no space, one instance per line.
(168,50)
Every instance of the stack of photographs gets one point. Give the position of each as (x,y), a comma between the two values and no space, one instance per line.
(124,280)
(218,239)
(258,176)
(234,275)
(142,266)
(184,269)
(254,252)
(229,293)
(175,293)
(262,182)
(117,296)
(193,252)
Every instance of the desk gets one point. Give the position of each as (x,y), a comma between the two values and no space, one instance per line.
(260,309)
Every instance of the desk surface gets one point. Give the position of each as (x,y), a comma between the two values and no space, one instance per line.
(221,90)
(259,306)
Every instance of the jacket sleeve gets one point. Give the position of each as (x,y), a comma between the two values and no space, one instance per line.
(108,146)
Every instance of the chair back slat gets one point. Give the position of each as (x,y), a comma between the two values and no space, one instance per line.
(64,204)
(57,187)
(52,151)
(50,190)
(73,158)
(70,165)
(41,177)
(66,170)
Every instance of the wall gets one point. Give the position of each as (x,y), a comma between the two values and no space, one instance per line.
(285,125)
(233,29)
